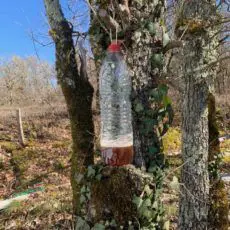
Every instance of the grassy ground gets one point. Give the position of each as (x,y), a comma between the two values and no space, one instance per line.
(45,162)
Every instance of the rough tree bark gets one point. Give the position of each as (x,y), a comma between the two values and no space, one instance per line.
(77,91)
(141,30)
(145,75)
(143,34)
(194,178)
(198,18)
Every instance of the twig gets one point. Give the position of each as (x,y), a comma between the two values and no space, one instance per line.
(95,13)
(108,20)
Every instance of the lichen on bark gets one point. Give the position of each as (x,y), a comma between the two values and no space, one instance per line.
(142,38)
(199,52)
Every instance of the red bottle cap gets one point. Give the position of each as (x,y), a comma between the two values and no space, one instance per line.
(114,47)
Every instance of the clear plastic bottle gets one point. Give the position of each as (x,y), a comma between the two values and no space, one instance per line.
(116,114)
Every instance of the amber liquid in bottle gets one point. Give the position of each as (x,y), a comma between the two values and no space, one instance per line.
(117,156)
(115,88)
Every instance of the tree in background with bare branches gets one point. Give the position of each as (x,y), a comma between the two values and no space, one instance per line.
(27,81)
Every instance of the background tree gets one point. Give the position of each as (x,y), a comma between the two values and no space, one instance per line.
(218,199)
(26,81)
(198,21)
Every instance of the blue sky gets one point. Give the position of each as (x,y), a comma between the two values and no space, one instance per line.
(18,18)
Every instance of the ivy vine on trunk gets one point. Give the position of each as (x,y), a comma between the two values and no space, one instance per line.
(140,25)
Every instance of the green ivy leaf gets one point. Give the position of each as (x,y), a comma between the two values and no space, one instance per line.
(91,171)
(79,177)
(131,227)
(174,184)
(82,199)
(157,60)
(138,201)
(152,169)
(147,214)
(154,93)
(139,107)
(87,189)
(98,177)
(158,218)
(98,227)
(81,224)
(153,150)
(166,100)
(155,205)
(139,1)
(83,189)
(149,122)
(88,195)
(166,39)
(149,125)
(152,28)
(148,190)
(163,89)
(147,203)
(113,223)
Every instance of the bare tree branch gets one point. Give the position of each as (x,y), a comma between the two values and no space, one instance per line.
(109,22)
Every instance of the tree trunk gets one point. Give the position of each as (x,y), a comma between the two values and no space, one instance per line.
(141,32)
(78,94)
(198,17)
(218,199)
(142,37)
(194,178)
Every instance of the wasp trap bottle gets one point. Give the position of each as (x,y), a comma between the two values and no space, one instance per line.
(116,136)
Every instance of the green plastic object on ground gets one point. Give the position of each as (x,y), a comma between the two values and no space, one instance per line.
(19,197)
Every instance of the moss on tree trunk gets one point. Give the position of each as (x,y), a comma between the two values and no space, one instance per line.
(219,206)
(77,91)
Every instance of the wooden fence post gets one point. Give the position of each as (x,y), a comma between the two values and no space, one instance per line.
(20,128)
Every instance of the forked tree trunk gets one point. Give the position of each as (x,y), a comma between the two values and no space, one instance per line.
(78,94)
(108,197)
